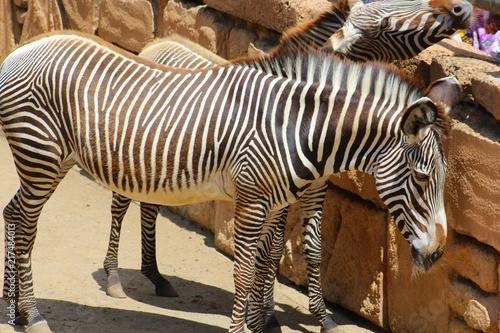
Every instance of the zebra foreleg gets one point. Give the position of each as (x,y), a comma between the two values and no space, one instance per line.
(260,312)
(149,267)
(119,206)
(248,223)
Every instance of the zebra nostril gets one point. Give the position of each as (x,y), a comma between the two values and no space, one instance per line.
(457,10)
(436,255)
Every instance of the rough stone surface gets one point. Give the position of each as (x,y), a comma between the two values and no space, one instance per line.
(353,274)
(464,69)
(458,325)
(415,303)
(42,17)
(129,24)
(276,15)
(226,35)
(474,261)
(473,184)
(359,183)
(7,39)
(224,226)
(486,90)
(202,213)
(293,265)
(82,15)
(479,310)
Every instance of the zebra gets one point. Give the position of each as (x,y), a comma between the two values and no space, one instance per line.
(437,21)
(174,136)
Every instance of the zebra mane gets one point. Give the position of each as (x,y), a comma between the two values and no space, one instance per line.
(316,67)
(333,19)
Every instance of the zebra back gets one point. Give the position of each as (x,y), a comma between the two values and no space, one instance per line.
(177,51)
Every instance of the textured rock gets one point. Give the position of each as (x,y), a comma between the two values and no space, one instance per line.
(458,325)
(293,265)
(473,184)
(474,261)
(224,226)
(359,183)
(353,269)
(486,91)
(129,24)
(226,35)
(464,69)
(277,15)
(196,22)
(43,16)
(82,15)
(479,310)
(414,303)
(203,214)
(7,40)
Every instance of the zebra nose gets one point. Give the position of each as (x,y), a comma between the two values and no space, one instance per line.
(457,10)
(425,260)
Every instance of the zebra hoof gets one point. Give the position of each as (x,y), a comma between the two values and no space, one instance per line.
(39,327)
(21,320)
(272,325)
(331,327)
(165,289)
(116,291)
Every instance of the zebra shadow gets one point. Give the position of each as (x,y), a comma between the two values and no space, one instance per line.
(69,317)
(198,298)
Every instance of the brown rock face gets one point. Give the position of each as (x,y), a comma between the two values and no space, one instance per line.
(474,261)
(42,17)
(82,15)
(354,260)
(129,24)
(7,39)
(472,185)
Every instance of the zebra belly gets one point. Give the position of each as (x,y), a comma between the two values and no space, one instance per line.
(201,192)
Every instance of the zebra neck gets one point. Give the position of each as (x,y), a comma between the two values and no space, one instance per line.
(316,32)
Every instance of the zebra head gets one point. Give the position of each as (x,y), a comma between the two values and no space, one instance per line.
(398,29)
(410,177)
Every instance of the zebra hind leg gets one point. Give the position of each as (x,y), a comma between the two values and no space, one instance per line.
(119,206)
(149,267)
(311,214)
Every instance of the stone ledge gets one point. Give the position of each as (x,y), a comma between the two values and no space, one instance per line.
(277,15)
(474,261)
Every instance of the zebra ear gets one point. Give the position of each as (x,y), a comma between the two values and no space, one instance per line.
(418,118)
(342,39)
(447,91)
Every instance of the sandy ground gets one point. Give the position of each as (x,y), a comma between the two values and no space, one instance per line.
(69,278)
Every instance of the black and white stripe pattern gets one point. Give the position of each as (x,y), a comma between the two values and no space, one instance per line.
(390,30)
(436,22)
(260,133)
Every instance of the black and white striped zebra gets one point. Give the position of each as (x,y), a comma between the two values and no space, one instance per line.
(236,132)
(435,21)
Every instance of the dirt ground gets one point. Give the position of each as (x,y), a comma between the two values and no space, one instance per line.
(69,278)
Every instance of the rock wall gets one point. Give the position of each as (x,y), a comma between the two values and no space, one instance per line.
(366,266)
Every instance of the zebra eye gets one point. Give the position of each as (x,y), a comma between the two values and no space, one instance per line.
(384,23)
(421,177)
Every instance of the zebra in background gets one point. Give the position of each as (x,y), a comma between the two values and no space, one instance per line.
(434,22)
(235,132)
